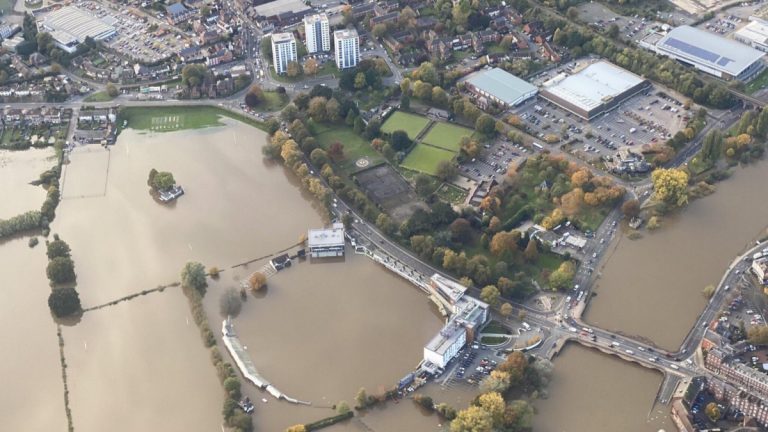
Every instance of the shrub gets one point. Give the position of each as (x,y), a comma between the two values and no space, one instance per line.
(33,242)
(18,224)
(64,302)
(61,270)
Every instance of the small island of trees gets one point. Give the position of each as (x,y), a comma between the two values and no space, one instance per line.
(163,185)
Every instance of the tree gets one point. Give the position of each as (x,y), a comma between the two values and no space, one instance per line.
(161,180)
(342,407)
(57,248)
(506,310)
(461,230)
(230,302)
(336,151)
(490,294)
(293,69)
(379,30)
(423,185)
(192,75)
(472,419)
(317,108)
(424,401)
(758,335)
(360,81)
(631,208)
(670,186)
(255,96)
(493,404)
(562,278)
(712,411)
(497,381)
(485,124)
(64,302)
(446,170)
(61,270)
(257,281)
(333,110)
(112,90)
(426,72)
(361,398)
(318,157)
(531,252)
(193,276)
(232,387)
(439,96)
(708,291)
(29,27)
(504,242)
(518,415)
(310,66)
(399,140)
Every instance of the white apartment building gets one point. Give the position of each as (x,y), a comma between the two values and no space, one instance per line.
(317,33)
(283,51)
(347,45)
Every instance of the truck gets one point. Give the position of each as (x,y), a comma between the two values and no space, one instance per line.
(538,146)
(526,326)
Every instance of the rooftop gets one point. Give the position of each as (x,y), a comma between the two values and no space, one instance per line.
(311,19)
(176,9)
(709,49)
(453,291)
(72,24)
(756,31)
(593,85)
(446,337)
(333,236)
(345,34)
(501,84)
(282,37)
(278,7)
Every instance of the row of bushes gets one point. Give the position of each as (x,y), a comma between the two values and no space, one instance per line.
(230,382)
(64,300)
(328,421)
(21,223)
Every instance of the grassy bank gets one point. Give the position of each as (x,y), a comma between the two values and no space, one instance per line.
(101,96)
(176,118)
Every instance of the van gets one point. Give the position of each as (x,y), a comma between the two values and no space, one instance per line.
(675,367)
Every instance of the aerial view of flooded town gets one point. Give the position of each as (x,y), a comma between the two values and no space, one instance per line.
(384,215)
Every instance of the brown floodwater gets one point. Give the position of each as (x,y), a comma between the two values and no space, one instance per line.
(652,287)
(32,395)
(591,391)
(17,169)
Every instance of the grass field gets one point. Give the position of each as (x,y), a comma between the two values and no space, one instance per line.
(410,123)
(760,82)
(446,136)
(101,96)
(170,119)
(273,101)
(355,147)
(425,158)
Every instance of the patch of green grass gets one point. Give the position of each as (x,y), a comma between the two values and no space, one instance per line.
(327,68)
(446,136)
(493,340)
(410,123)
(6,6)
(425,158)
(451,194)
(760,82)
(355,147)
(101,96)
(273,101)
(370,99)
(170,119)
(495,327)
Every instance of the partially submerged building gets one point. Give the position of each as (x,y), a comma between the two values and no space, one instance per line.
(326,242)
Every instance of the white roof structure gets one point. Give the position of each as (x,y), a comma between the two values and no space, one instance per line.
(282,37)
(708,50)
(453,291)
(502,85)
(755,33)
(594,85)
(576,241)
(280,6)
(333,236)
(70,24)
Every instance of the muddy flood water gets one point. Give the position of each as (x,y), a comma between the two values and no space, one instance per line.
(652,287)
(321,329)
(17,170)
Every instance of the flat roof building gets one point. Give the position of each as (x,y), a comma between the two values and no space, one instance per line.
(754,34)
(500,86)
(347,45)
(283,51)
(327,242)
(596,89)
(70,26)
(317,33)
(710,53)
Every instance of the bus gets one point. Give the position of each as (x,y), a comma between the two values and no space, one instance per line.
(538,146)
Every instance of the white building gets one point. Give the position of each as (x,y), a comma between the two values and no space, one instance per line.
(317,33)
(446,344)
(283,51)
(326,242)
(70,26)
(760,269)
(754,34)
(347,45)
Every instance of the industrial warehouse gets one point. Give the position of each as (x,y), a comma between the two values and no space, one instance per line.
(500,87)
(70,26)
(707,52)
(596,89)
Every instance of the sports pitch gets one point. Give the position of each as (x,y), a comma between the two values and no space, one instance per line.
(410,123)
(425,158)
(447,136)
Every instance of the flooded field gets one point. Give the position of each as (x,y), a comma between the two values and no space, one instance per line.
(323,329)
(652,287)
(596,392)
(17,169)
(32,397)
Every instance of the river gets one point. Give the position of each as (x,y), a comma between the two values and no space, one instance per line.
(652,287)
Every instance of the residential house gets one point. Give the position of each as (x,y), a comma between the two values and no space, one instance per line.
(178,13)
